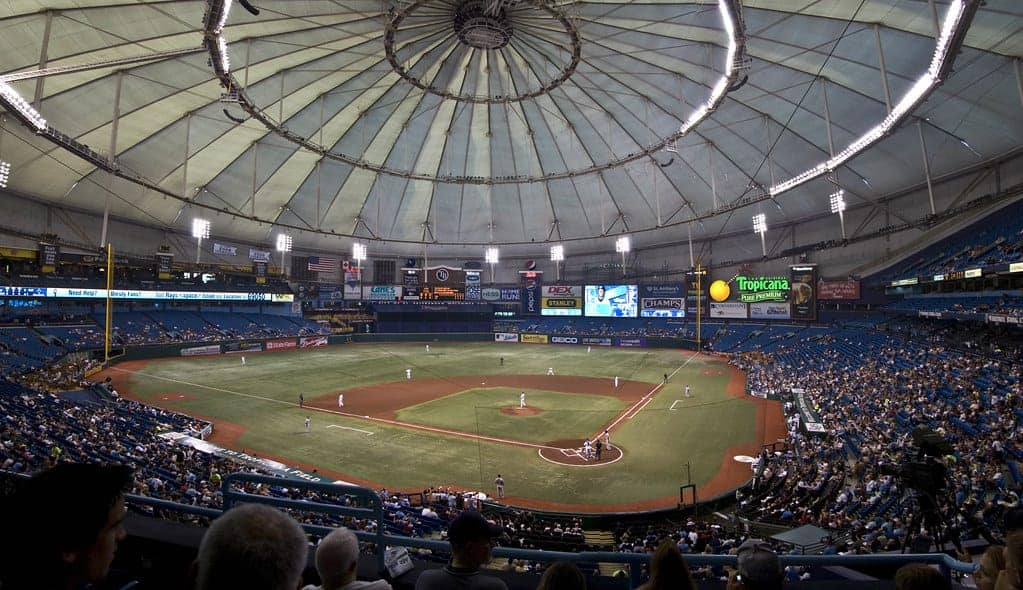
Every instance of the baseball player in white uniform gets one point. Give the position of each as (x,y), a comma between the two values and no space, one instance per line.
(408,373)
(522,399)
(616,381)
(340,400)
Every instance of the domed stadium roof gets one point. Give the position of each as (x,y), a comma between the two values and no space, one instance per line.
(501,121)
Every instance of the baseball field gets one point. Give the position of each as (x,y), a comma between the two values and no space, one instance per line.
(458,421)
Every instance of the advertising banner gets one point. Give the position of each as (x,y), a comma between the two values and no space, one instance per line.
(83,293)
(278,469)
(312,341)
(510,294)
(606,301)
(353,292)
(259,255)
(531,297)
(243,346)
(804,292)
(49,255)
(473,286)
(842,290)
(562,300)
(769,311)
(630,342)
(410,282)
(533,338)
(505,337)
(381,292)
(756,289)
(281,344)
(201,350)
(728,310)
(224,250)
(808,416)
(164,265)
(592,341)
(259,269)
(490,294)
(564,340)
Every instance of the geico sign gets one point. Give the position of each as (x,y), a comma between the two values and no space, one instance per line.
(564,340)
(560,290)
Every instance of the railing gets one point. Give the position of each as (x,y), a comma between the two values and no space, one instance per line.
(372,509)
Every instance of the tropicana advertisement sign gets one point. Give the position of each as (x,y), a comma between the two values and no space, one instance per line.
(757,289)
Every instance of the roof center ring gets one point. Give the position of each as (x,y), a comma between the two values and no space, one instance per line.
(511,29)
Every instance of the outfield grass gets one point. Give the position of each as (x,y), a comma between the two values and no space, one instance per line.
(262,397)
(478,411)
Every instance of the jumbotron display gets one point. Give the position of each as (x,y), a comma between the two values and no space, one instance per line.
(612,301)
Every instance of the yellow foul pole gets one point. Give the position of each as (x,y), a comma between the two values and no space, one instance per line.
(110,309)
(699,305)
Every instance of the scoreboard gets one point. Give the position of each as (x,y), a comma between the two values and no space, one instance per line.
(441,293)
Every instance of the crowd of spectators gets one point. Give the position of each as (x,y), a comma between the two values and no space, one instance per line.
(870,391)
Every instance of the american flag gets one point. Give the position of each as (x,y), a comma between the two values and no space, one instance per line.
(322,264)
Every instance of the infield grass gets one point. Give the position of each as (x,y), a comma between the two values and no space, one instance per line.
(479,411)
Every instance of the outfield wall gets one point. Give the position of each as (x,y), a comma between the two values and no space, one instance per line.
(617,341)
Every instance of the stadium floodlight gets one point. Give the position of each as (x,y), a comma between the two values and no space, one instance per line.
(838,201)
(491,256)
(200,231)
(760,228)
(358,253)
(838,206)
(941,62)
(13,101)
(557,256)
(623,245)
(283,246)
(5,173)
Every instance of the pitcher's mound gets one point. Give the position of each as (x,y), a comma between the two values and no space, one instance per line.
(517,411)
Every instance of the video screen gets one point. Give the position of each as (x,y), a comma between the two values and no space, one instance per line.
(612,301)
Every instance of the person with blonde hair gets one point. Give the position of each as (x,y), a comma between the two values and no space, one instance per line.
(992,562)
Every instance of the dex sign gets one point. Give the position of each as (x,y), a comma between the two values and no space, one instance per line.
(757,289)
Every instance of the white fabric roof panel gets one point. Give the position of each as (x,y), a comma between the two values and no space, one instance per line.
(321,70)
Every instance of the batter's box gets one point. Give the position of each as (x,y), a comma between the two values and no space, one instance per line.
(571,453)
(674,403)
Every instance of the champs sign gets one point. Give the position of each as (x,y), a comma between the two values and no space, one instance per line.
(756,289)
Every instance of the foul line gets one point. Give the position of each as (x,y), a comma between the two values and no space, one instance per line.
(350,428)
(350,415)
(631,412)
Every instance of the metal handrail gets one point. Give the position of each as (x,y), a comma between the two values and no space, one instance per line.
(382,540)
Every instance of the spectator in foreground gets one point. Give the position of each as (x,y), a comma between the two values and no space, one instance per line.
(472,544)
(669,570)
(919,576)
(63,526)
(1010,578)
(758,567)
(337,558)
(992,562)
(253,546)
(562,575)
